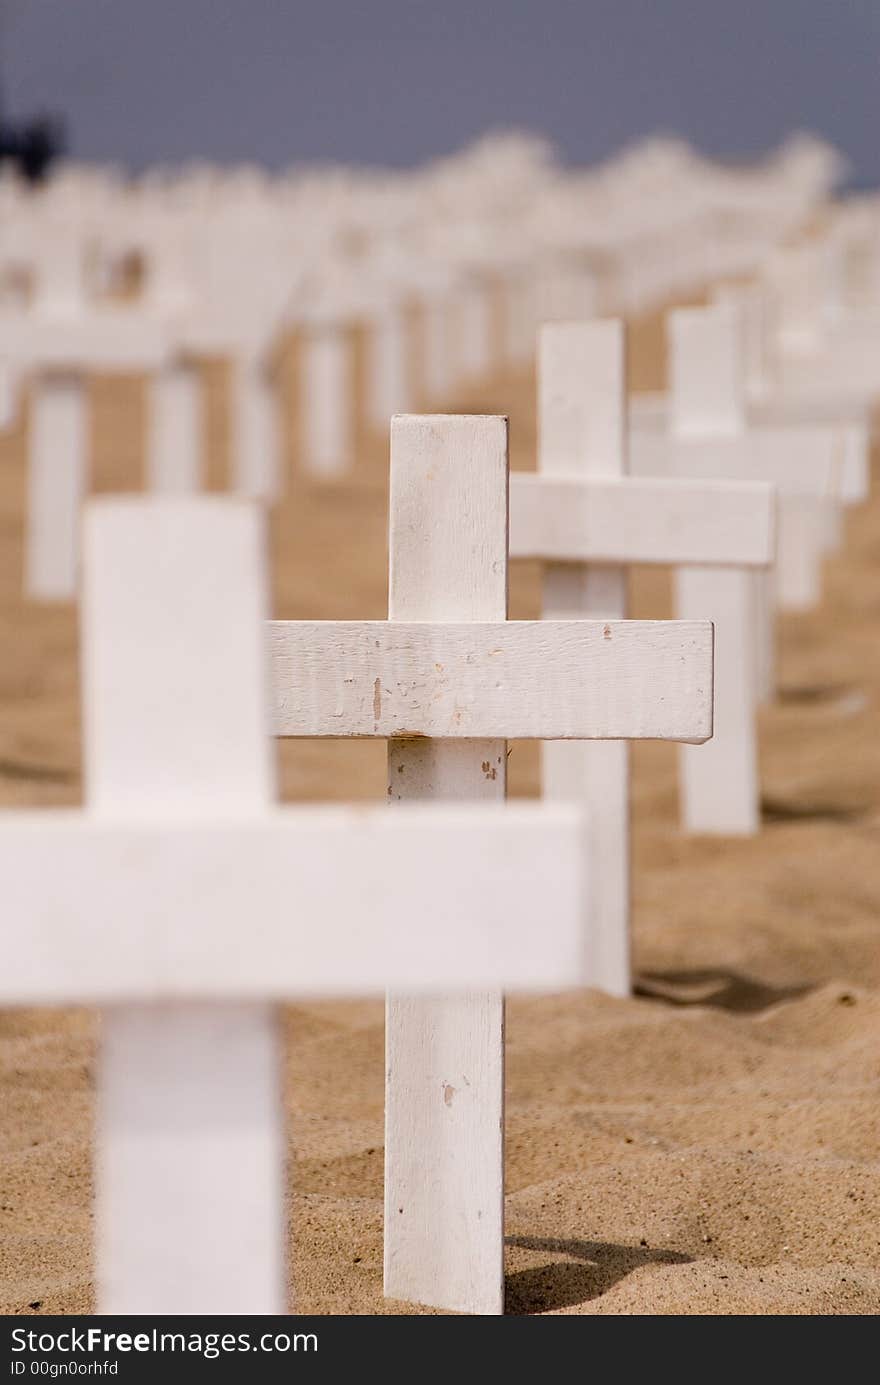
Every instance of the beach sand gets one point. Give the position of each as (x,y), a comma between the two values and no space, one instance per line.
(709,1146)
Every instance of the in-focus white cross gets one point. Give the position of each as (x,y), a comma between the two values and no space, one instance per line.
(448,680)
(186,904)
(586,520)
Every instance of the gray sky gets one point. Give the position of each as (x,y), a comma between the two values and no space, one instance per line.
(397,81)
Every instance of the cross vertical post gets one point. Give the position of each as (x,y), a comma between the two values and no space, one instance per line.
(581,432)
(719,780)
(175,727)
(174,444)
(444,1111)
(255,461)
(57,480)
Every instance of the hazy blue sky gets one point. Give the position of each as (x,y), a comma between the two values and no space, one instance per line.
(395,81)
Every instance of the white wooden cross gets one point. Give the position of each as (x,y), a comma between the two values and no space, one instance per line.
(730,394)
(59,355)
(815,351)
(586,520)
(804,464)
(186,904)
(448,680)
(708,406)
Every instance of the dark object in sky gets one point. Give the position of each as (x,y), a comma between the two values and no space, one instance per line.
(32,145)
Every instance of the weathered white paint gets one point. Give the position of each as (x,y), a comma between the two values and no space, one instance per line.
(444,1091)
(312,929)
(56,482)
(581,433)
(325,401)
(190,1199)
(445,666)
(641,520)
(256,470)
(544,680)
(174,430)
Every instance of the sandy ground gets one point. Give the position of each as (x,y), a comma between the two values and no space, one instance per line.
(710,1146)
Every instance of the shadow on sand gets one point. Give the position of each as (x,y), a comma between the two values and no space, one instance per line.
(593,1268)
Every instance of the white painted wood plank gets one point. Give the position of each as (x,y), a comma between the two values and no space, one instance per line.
(57,480)
(719,780)
(474,301)
(444,1093)
(803,542)
(531,680)
(810,462)
(174,429)
(438,348)
(483,876)
(110,340)
(650,413)
(189,1188)
(256,470)
(765,636)
(719,791)
(388,389)
(9,387)
(707,372)
(326,402)
(641,520)
(582,434)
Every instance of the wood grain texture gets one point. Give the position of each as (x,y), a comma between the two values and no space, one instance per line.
(543,680)
(641,520)
(444,1091)
(190,1141)
(327,893)
(582,436)
(57,479)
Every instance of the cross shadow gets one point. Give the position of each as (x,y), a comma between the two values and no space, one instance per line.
(725,990)
(778,810)
(597,1267)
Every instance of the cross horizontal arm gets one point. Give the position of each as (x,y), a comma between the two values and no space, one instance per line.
(641,520)
(805,459)
(508,680)
(650,413)
(111,340)
(299,902)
